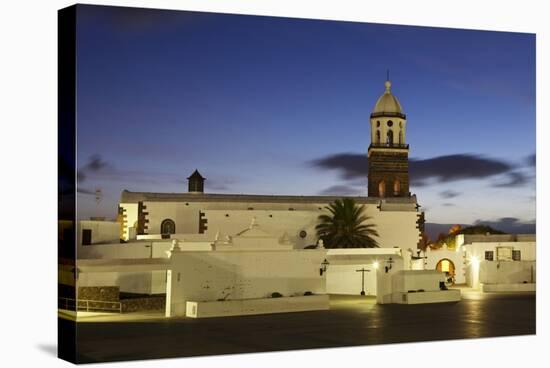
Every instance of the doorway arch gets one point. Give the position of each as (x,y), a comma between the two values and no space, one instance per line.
(447,266)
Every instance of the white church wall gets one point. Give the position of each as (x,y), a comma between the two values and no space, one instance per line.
(275,222)
(211,276)
(131,217)
(396,228)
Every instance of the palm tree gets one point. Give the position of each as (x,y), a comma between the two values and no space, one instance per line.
(346,227)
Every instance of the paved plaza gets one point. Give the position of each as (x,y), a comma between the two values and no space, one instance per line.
(351,321)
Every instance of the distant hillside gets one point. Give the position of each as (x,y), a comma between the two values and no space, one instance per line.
(507,225)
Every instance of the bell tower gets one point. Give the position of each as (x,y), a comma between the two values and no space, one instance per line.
(388,151)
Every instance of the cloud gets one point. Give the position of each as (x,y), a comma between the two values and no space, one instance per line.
(449,194)
(455,167)
(343,190)
(511,225)
(531,160)
(94,165)
(350,165)
(515,179)
(441,168)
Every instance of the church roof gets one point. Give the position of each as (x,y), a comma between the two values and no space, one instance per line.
(388,104)
(135,197)
(196,175)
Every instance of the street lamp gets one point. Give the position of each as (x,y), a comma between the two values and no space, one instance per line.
(323,268)
(389,262)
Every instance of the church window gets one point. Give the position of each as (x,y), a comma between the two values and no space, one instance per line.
(389,137)
(516,255)
(303,234)
(382,189)
(400,137)
(378,124)
(378,137)
(396,187)
(168,227)
(390,123)
(489,255)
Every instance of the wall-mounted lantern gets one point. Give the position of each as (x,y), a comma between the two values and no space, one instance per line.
(323,268)
(389,263)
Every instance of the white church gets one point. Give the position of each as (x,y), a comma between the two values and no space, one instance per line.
(231,254)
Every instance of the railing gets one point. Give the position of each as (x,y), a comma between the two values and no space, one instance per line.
(389,145)
(389,114)
(87,305)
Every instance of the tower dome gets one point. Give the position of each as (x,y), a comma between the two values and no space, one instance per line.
(388,104)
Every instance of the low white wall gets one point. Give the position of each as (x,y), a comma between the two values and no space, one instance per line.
(512,272)
(406,280)
(249,274)
(102,231)
(130,282)
(256,306)
(345,279)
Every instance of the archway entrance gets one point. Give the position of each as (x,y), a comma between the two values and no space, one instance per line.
(448,267)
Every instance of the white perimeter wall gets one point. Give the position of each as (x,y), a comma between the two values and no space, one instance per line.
(511,272)
(102,231)
(233,275)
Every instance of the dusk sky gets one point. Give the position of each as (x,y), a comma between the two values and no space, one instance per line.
(265,105)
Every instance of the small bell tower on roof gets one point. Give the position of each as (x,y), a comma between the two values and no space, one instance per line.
(196,182)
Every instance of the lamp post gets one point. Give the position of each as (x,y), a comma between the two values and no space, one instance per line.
(389,262)
(362,270)
(323,268)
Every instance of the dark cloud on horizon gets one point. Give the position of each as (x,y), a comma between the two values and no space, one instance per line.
(532,160)
(511,225)
(446,168)
(448,194)
(515,179)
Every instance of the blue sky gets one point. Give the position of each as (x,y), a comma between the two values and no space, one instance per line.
(261,104)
